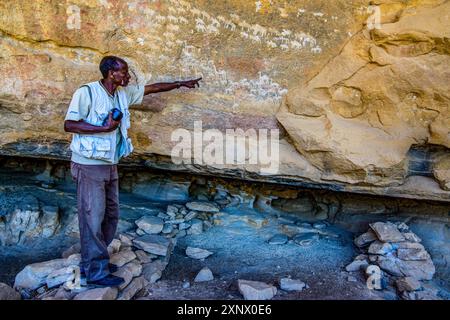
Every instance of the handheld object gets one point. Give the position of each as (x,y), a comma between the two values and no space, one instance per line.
(116,115)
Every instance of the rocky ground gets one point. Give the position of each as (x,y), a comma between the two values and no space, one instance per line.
(207,250)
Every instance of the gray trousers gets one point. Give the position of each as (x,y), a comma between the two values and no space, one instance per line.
(98,215)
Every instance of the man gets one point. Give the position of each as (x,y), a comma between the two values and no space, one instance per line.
(97,146)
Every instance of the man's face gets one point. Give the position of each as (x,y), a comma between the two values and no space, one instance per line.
(121,77)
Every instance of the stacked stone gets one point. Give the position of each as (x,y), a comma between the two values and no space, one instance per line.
(397,251)
(141,257)
(179,220)
(140,261)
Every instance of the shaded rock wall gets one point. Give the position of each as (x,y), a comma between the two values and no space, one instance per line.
(351,103)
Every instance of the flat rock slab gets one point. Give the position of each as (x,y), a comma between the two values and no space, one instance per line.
(150,224)
(203,206)
(107,293)
(35,275)
(122,258)
(255,290)
(387,232)
(289,284)
(365,239)
(154,244)
(197,253)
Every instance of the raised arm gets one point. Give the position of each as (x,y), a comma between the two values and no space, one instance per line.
(167,86)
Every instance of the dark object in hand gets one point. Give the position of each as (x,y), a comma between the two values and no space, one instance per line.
(116,115)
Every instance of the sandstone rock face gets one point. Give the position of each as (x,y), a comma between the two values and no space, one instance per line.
(387,90)
(351,103)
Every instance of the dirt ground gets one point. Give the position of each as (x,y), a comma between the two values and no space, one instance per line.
(241,251)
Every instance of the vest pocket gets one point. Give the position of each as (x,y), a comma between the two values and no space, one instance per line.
(95,147)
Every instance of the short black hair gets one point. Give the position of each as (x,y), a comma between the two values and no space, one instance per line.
(110,63)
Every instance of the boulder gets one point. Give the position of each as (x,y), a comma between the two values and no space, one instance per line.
(387,232)
(203,206)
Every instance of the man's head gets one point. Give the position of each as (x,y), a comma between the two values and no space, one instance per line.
(115,69)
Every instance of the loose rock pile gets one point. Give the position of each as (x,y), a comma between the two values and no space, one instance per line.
(141,257)
(404,262)
(179,220)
